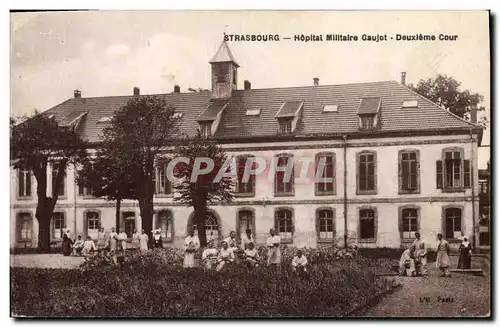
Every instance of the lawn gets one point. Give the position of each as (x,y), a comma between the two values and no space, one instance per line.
(154,285)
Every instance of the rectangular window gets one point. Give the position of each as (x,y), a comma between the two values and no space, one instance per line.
(326,230)
(245,221)
(206,129)
(439,174)
(285,126)
(162,184)
(58,225)
(93,224)
(410,223)
(367,224)
(282,184)
(366,172)
(165,223)
(284,225)
(129,223)
(453,169)
(367,122)
(327,163)
(62,190)
(409,178)
(453,221)
(245,187)
(25,227)
(24,180)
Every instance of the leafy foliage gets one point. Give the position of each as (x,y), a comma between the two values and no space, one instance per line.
(36,143)
(445,91)
(204,189)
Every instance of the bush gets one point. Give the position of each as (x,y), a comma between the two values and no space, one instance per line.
(153,284)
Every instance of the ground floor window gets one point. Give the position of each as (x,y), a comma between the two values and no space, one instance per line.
(409,217)
(164,221)
(325,224)
(24,227)
(245,221)
(93,223)
(284,224)
(129,223)
(58,225)
(211,227)
(453,223)
(367,224)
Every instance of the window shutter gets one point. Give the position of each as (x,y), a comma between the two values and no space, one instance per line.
(155,188)
(20,178)
(317,225)
(400,171)
(439,174)
(467,174)
(28,183)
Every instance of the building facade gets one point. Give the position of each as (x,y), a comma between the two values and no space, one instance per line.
(397,164)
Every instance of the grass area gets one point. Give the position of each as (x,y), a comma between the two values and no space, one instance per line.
(153,285)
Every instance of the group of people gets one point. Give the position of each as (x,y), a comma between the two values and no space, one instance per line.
(231,253)
(110,241)
(413,260)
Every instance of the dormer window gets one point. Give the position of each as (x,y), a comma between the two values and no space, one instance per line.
(367,122)
(285,126)
(331,108)
(252,112)
(206,129)
(104,120)
(410,104)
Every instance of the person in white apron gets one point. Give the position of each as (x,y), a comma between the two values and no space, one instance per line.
(113,240)
(191,245)
(143,241)
(273,253)
(209,256)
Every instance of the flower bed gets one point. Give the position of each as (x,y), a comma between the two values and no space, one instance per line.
(154,284)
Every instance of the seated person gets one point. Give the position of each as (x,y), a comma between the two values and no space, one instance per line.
(209,256)
(226,256)
(407,262)
(88,246)
(78,246)
(299,262)
(252,257)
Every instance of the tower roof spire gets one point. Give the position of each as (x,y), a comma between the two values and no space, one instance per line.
(223,55)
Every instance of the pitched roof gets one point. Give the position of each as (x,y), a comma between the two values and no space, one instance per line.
(223,55)
(369,106)
(212,110)
(236,124)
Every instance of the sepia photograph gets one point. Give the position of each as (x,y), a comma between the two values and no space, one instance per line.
(250,164)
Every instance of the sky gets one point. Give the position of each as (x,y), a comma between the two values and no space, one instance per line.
(104,53)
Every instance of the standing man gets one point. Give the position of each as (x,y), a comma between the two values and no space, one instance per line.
(420,255)
(443,256)
(274,253)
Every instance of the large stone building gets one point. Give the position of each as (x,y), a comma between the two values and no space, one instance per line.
(399,164)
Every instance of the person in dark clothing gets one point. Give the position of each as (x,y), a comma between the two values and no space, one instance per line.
(157,241)
(66,245)
(465,251)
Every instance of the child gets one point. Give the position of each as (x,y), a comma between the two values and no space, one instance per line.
(78,246)
(209,256)
(299,262)
(251,256)
(88,246)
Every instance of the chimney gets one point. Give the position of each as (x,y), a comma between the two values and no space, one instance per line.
(137,91)
(316,81)
(403,78)
(247,85)
(473,113)
(177,89)
(77,94)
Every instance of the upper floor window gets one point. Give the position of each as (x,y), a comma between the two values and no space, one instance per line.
(285,126)
(367,178)
(367,122)
(160,180)
(24,180)
(283,221)
(284,175)
(58,225)
(206,129)
(325,224)
(62,189)
(325,174)
(245,184)
(453,172)
(409,179)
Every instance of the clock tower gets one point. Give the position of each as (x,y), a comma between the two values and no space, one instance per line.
(224,73)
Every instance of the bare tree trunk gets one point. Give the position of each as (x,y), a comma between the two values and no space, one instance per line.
(200,210)
(117,214)
(44,208)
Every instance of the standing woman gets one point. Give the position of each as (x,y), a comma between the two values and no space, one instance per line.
(143,241)
(66,245)
(101,240)
(136,240)
(273,254)
(157,241)
(465,250)
(191,245)
(443,256)
(113,240)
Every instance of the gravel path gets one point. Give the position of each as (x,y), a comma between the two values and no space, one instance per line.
(45,261)
(462,295)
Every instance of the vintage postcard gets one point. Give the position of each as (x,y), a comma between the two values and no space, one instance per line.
(246,164)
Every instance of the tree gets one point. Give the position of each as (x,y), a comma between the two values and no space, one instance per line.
(140,130)
(36,143)
(108,177)
(206,189)
(445,91)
